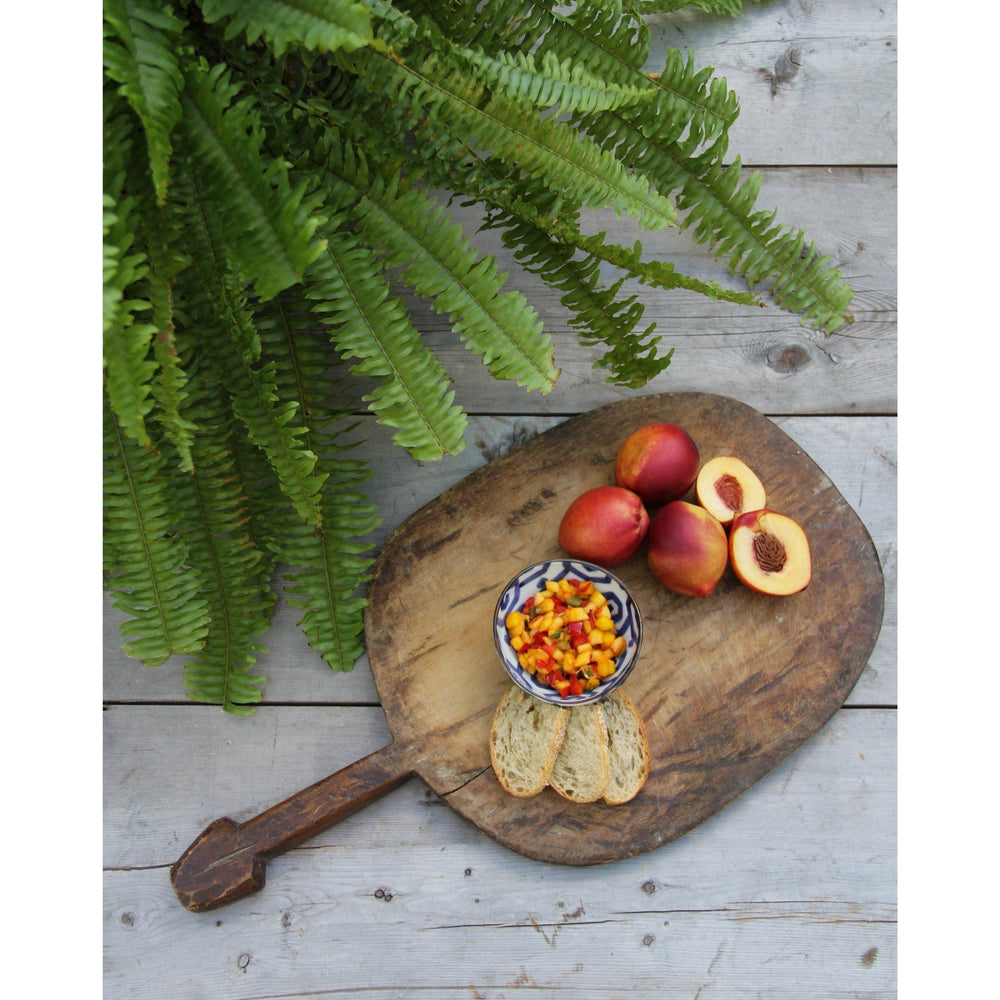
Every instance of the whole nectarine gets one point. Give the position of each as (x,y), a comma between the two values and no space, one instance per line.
(659,462)
(606,525)
(687,549)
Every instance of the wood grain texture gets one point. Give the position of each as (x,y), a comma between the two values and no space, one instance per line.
(791,889)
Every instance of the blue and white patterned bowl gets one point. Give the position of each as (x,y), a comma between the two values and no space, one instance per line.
(624,613)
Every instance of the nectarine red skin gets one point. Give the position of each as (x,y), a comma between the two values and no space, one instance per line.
(605,525)
(659,462)
(687,549)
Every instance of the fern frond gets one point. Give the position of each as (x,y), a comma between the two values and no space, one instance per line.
(268,226)
(318,25)
(234,573)
(730,8)
(221,321)
(598,314)
(413,394)
(543,147)
(551,82)
(128,368)
(327,566)
(145,558)
(139,54)
(720,213)
(414,232)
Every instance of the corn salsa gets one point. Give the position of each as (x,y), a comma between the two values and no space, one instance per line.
(564,636)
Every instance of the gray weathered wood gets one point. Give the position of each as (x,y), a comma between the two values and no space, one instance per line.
(817,81)
(408,896)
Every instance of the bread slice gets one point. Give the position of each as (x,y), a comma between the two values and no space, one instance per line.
(628,749)
(524,742)
(583,765)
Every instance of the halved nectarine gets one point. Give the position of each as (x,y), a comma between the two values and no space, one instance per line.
(769,553)
(727,486)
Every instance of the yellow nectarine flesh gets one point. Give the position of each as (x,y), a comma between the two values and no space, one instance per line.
(769,553)
(727,486)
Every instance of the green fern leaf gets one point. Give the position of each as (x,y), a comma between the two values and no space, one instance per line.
(731,8)
(128,368)
(268,225)
(234,573)
(145,558)
(720,212)
(413,232)
(271,423)
(327,566)
(546,148)
(548,82)
(413,394)
(319,25)
(139,55)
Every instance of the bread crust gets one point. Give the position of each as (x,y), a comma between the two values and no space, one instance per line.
(583,766)
(623,787)
(524,770)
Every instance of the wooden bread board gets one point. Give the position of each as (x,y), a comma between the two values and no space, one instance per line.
(727,685)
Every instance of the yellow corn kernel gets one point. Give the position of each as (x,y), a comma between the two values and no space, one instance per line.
(618,646)
(605,623)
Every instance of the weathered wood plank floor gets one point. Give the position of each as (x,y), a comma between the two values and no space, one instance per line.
(789,892)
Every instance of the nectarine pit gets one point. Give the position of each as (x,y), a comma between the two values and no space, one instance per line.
(769,552)
(730,491)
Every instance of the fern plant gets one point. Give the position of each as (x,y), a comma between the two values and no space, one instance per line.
(267,189)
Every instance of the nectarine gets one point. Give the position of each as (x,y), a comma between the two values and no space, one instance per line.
(770,553)
(605,525)
(726,487)
(687,549)
(659,462)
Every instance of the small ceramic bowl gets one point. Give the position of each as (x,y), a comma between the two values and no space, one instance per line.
(624,613)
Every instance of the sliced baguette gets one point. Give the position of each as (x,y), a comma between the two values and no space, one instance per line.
(583,765)
(628,749)
(525,739)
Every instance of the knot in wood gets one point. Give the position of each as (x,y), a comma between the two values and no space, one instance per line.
(730,492)
(769,552)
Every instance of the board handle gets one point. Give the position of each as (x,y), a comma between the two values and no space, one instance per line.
(229,860)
